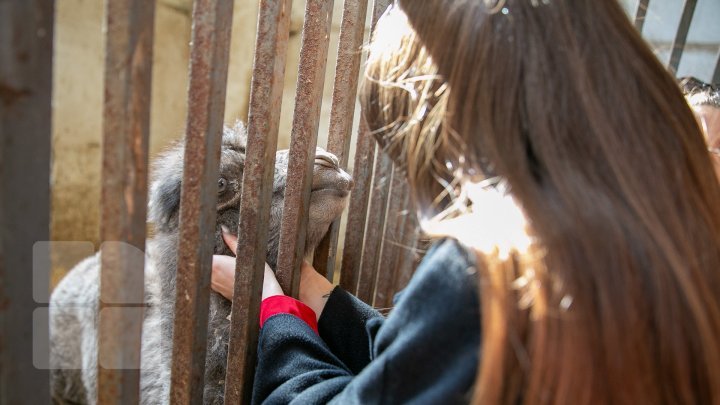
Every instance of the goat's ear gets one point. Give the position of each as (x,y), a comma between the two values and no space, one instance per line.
(235,137)
(164,201)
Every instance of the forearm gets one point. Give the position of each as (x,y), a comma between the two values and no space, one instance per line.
(314,289)
(344,318)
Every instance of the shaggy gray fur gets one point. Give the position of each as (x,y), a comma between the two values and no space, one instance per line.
(74,302)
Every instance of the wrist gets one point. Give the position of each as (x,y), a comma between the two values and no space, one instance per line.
(271,287)
(281,304)
(314,289)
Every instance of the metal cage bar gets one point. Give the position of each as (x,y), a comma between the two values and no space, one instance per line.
(263,119)
(362,172)
(382,229)
(382,179)
(212,24)
(26,48)
(408,255)
(342,112)
(306,119)
(126,127)
(640,13)
(355,229)
(392,241)
(678,45)
(716,72)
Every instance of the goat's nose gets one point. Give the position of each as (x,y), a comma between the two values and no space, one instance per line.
(326,159)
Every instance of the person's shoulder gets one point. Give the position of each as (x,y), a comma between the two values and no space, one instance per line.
(448,269)
(448,255)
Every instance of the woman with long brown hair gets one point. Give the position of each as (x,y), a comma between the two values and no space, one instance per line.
(544,137)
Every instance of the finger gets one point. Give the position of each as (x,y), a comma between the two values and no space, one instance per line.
(270,284)
(222,278)
(223,263)
(230,240)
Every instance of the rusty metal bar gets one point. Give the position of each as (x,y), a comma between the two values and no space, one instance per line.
(212,25)
(409,260)
(306,119)
(382,179)
(342,112)
(406,263)
(355,229)
(715,79)
(392,241)
(26,47)
(678,45)
(126,127)
(640,13)
(263,120)
(362,172)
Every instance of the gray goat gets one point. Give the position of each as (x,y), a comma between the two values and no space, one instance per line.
(74,302)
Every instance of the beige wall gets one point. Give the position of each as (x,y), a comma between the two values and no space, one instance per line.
(78,89)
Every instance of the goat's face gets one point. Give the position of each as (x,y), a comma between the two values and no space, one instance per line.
(329,192)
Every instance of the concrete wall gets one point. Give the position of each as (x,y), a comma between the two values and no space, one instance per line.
(77,111)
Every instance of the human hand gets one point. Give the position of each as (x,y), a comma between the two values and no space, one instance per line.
(222,278)
(314,288)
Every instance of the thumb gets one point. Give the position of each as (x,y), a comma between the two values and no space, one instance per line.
(229,239)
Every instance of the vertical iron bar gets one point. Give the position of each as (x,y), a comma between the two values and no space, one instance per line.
(263,120)
(342,113)
(640,13)
(126,127)
(681,36)
(355,229)
(392,241)
(382,179)
(408,258)
(362,172)
(26,47)
(306,119)
(715,79)
(212,24)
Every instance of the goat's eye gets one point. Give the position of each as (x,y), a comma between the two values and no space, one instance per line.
(222,184)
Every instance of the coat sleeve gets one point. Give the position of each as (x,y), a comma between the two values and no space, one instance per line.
(343,327)
(426,351)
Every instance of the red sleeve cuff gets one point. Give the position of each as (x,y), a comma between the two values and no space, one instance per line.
(282,304)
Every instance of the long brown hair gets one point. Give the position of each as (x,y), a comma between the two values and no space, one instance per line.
(618,299)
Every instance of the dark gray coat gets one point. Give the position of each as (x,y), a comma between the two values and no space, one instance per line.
(425,352)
